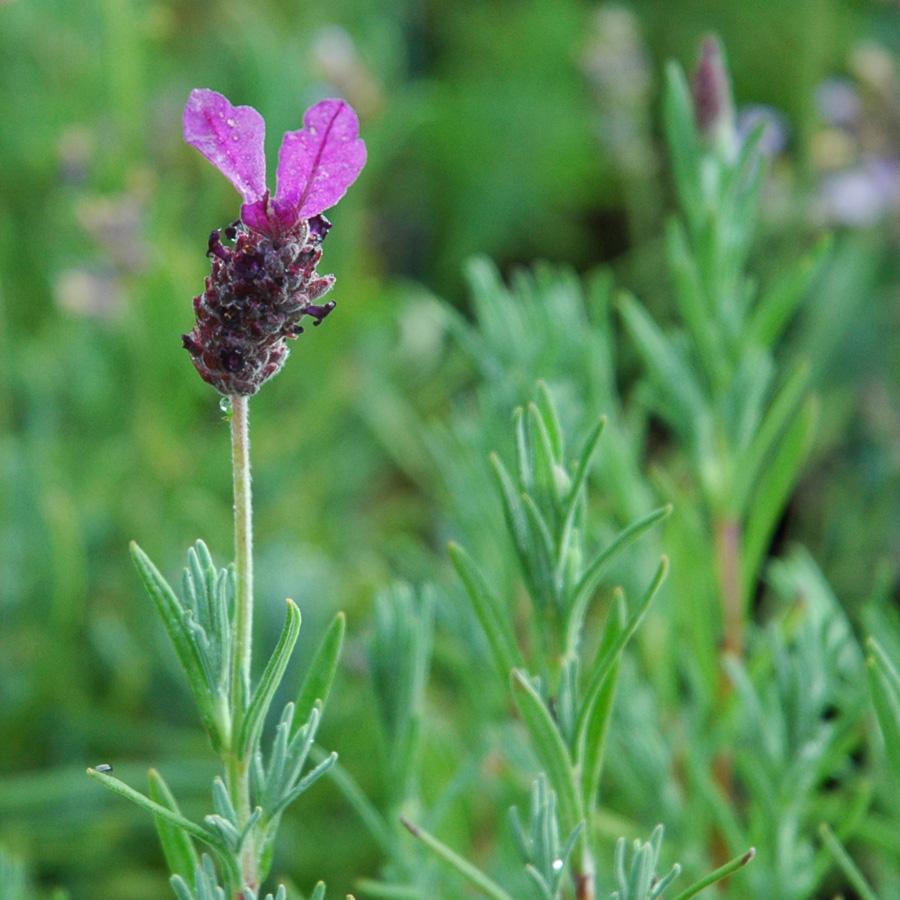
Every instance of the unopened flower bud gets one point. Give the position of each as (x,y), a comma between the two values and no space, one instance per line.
(711,93)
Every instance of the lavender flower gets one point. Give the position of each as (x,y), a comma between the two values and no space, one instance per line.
(265,282)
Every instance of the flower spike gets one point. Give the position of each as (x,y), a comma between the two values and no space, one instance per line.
(263,284)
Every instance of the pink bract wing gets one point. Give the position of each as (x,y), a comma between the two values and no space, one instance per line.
(319,162)
(232,138)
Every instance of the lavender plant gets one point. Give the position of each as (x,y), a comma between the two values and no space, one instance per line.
(746,737)
(563,684)
(262,285)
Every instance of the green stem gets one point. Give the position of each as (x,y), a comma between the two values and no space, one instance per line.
(243,554)
(727,539)
(237,767)
(585,874)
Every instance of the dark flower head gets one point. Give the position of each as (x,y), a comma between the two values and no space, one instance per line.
(264,281)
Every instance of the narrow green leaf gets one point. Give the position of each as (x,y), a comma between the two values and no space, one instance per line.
(547,409)
(222,801)
(356,797)
(670,372)
(300,746)
(322,670)
(275,773)
(589,755)
(174,619)
(516,520)
(722,872)
(550,748)
(693,303)
(782,299)
(740,196)
(773,487)
(594,568)
(304,784)
(540,556)
(251,726)
(523,453)
(487,288)
(746,398)
(604,664)
(682,141)
(849,868)
(543,888)
(780,412)
(641,872)
(545,476)
(168,815)
(475,876)
(596,733)
(884,684)
(496,626)
(664,882)
(178,848)
(719,805)
(201,573)
(179,885)
(572,501)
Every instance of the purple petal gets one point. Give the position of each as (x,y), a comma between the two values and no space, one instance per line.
(256,215)
(232,138)
(317,164)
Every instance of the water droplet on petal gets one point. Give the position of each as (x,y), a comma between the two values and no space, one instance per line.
(225,406)
(230,123)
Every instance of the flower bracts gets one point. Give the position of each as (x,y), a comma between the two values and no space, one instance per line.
(255,297)
(261,287)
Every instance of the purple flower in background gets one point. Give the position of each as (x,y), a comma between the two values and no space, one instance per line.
(316,164)
(775,129)
(863,195)
(264,281)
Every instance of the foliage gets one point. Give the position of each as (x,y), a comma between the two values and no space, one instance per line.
(745,368)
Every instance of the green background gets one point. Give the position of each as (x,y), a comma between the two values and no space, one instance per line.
(519,129)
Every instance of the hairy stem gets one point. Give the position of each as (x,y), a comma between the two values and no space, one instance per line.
(243,555)
(237,762)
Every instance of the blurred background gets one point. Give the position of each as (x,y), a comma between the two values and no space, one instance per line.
(519,129)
